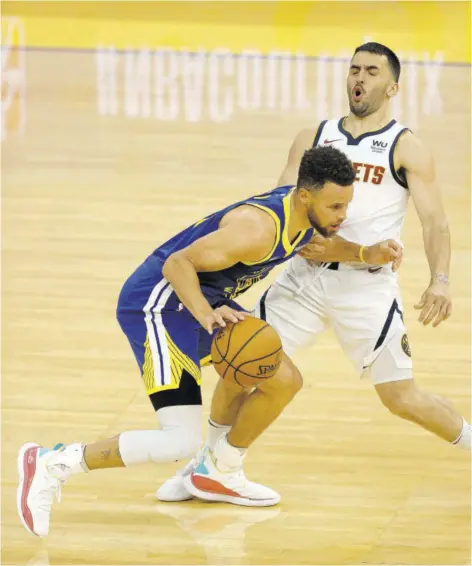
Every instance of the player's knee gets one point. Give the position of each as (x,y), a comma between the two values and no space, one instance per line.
(295,382)
(286,383)
(186,442)
(182,428)
(399,397)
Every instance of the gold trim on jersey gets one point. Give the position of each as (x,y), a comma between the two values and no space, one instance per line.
(289,247)
(178,362)
(206,361)
(277,234)
(148,376)
(201,221)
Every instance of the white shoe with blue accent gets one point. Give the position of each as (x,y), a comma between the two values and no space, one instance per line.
(41,475)
(211,483)
(174,489)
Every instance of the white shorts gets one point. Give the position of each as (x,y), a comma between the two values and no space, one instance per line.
(364,308)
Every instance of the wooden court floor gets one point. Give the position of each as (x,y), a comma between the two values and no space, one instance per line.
(85,198)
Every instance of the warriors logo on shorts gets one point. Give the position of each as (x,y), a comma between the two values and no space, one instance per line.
(406,345)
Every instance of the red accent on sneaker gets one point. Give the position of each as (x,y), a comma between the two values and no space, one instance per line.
(212,486)
(29,469)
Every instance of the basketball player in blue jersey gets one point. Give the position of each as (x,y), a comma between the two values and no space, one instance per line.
(343,282)
(185,287)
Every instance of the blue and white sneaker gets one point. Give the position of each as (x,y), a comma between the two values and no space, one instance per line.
(41,475)
(209,482)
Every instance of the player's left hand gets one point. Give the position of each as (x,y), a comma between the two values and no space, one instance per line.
(435,303)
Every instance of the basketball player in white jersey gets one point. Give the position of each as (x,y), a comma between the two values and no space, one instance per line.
(340,282)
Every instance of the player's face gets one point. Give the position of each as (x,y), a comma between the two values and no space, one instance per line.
(370,83)
(327,208)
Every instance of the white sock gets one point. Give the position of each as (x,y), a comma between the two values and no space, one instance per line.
(464,440)
(81,467)
(214,431)
(180,437)
(70,456)
(228,457)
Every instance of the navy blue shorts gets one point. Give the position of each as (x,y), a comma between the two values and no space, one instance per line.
(167,341)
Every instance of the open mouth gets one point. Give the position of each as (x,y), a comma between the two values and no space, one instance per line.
(357,93)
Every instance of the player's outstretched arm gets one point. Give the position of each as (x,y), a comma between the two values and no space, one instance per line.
(435,303)
(339,249)
(245,234)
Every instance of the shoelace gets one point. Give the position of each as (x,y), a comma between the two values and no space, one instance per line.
(52,489)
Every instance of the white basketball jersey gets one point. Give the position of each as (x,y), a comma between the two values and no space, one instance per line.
(380,200)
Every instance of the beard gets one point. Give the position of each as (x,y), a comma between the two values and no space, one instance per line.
(317,226)
(361,110)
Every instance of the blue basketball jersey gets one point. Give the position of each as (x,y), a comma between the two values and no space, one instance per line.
(231,282)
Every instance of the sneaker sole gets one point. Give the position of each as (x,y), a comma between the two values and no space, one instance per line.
(175,499)
(223,498)
(21,484)
(170,498)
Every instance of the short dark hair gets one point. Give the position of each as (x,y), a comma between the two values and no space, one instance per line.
(324,164)
(379,49)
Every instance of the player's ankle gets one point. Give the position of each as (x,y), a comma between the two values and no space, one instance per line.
(68,461)
(228,457)
(214,432)
(464,440)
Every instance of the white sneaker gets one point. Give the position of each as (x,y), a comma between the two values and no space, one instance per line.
(42,473)
(211,484)
(174,489)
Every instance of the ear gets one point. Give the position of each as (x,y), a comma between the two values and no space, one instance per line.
(304,195)
(392,90)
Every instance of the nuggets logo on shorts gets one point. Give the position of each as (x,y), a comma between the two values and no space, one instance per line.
(406,345)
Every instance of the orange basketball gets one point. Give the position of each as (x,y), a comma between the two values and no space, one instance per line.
(247,352)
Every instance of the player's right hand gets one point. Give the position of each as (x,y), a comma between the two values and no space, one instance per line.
(384,252)
(218,318)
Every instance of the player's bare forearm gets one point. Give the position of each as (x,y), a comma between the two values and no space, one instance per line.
(182,275)
(437,245)
(418,162)
(339,249)
(244,235)
(343,250)
(435,302)
(331,249)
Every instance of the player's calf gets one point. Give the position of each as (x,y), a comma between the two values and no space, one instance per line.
(405,400)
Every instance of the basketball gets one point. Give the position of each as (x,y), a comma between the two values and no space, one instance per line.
(246,352)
